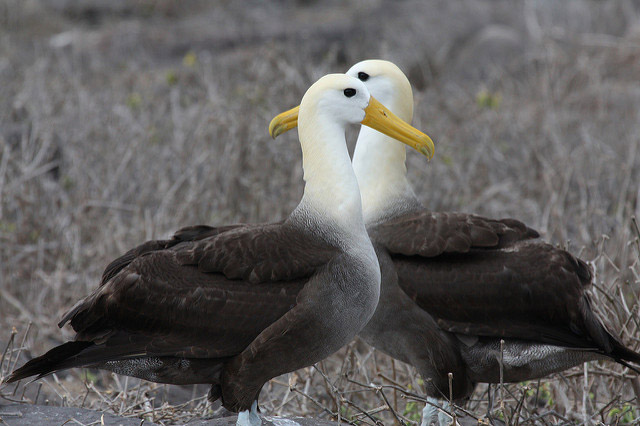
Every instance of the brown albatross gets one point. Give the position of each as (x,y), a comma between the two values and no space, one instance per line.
(454,285)
(236,306)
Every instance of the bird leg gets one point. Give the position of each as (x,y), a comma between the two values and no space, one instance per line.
(249,417)
(435,412)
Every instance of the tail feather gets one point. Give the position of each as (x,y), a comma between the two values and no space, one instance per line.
(624,356)
(50,362)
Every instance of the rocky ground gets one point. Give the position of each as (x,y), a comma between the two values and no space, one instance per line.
(47,415)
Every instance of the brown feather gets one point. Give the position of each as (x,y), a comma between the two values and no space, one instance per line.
(452,274)
(252,296)
(429,234)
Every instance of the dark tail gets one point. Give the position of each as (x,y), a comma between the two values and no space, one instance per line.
(624,356)
(56,359)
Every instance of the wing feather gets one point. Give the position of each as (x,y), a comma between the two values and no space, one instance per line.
(205,293)
(429,234)
(530,291)
(187,234)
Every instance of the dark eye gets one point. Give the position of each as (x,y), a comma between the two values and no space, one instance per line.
(349,92)
(363,76)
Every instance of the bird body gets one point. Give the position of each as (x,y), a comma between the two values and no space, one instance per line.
(454,285)
(462,293)
(235,306)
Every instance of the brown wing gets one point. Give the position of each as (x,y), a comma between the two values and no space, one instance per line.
(207,294)
(530,291)
(187,234)
(430,234)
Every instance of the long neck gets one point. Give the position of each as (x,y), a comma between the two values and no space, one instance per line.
(331,189)
(379,165)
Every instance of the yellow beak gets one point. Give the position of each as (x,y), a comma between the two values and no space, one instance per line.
(377,116)
(284,122)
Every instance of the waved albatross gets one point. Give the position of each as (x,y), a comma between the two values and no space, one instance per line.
(236,306)
(454,285)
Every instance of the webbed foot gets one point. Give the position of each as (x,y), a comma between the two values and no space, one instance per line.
(432,415)
(249,417)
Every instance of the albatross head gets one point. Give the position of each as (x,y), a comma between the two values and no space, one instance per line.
(388,84)
(330,104)
(378,161)
(342,99)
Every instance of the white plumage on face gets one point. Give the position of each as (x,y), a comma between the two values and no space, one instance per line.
(379,161)
(326,108)
(336,98)
(388,84)
(331,189)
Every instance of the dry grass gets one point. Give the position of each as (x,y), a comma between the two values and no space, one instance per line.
(122,123)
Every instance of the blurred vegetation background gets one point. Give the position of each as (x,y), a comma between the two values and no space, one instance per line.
(124,120)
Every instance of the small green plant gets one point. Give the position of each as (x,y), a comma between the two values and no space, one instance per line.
(134,101)
(622,414)
(543,392)
(67,183)
(488,100)
(171,77)
(412,411)
(447,160)
(88,376)
(190,59)
(345,412)
(7,227)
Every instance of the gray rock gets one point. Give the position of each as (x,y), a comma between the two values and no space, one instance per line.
(47,415)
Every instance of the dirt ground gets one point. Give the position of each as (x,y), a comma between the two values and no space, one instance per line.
(123,120)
